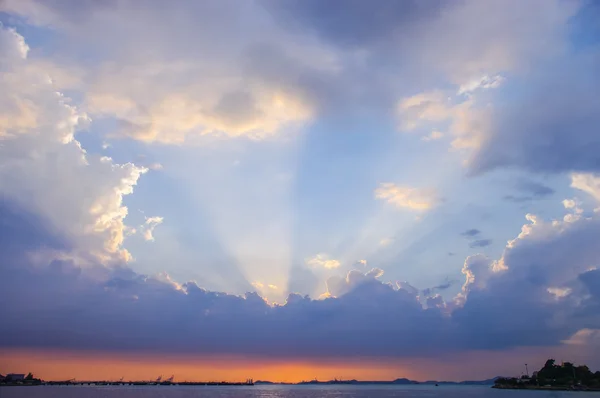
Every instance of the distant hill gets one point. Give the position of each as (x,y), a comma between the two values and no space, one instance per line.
(487,382)
(399,381)
(404,381)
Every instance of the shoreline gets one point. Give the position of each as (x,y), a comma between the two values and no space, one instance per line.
(547,388)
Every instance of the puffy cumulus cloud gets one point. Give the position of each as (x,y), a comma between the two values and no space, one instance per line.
(588,183)
(338,286)
(176,88)
(545,280)
(277,65)
(509,302)
(148,227)
(407,197)
(45,170)
(63,215)
(322,260)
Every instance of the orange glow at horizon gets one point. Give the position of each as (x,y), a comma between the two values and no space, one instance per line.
(64,365)
(94,365)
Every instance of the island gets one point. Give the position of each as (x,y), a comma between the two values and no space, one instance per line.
(551,376)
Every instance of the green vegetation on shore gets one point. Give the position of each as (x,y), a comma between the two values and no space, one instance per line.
(28,380)
(555,377)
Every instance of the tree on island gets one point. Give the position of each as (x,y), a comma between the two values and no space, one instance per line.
(566,374)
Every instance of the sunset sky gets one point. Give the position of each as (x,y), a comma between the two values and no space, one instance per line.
(289,189)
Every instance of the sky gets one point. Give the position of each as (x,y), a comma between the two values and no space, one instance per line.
(291,189)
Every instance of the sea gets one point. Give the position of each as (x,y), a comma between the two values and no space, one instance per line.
(278,391)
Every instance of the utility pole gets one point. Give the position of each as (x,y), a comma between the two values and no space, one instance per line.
(526,370)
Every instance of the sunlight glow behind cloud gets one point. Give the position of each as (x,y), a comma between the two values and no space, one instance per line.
(407,197)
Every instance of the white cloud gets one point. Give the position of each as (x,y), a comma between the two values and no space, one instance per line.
(467,119)
(559,292)
(149,226)
(177,90)
(484,82)
(585,337)
(323,261)
(407,197)
(588,183)
(170,118)
(43,167)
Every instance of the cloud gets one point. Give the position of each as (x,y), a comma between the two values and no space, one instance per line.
(408,197)
(466,119)
(149,225)
(63,217)
(471,232)
(323,261)
(355,24)
(480,243)
(585,337)
(429,291)
(303,281)
(338,286)
(588,183)
(435,135)
(533,190)
(155,314)
(272,80)
(544,130)
(474,233)
(45,170)
(484,82)
(175,91)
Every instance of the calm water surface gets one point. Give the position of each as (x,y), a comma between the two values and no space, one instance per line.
(277,392)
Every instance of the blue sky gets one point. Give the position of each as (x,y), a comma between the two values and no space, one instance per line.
(436,149)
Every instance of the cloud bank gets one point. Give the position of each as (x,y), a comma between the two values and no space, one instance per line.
(64,258)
